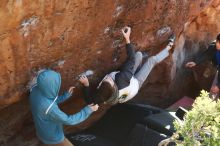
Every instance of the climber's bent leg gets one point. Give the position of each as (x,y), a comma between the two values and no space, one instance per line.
(138,61)
(145,70)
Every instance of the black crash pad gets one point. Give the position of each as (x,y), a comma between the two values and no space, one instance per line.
(161,122)
(144,136)
(87,139)
(119,126)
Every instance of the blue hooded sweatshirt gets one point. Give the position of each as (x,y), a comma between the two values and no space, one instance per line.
(47,116)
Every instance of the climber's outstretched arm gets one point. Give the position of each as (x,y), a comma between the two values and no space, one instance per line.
(126,31)
(126,70)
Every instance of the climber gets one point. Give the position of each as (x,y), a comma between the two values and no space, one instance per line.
(210,54)
(47,116)
(121,86)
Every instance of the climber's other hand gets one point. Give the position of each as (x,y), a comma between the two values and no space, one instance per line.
(214,89)
(190,64)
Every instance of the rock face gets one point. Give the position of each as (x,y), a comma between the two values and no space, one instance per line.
(195,38)
(76,36)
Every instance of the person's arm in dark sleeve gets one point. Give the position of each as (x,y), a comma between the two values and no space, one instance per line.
(130,49)
(88,95)
(128,65)
(122,78)
(206,55)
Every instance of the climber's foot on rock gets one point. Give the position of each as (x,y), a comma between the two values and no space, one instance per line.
(171,41)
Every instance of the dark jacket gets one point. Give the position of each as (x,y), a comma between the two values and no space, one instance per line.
(209,55)
(122,79)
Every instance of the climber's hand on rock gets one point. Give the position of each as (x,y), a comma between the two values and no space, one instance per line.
(126,31)
(94,107)
(190,64)
(84,80)
(71,90)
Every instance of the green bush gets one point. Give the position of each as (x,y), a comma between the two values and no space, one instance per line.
(201,126)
